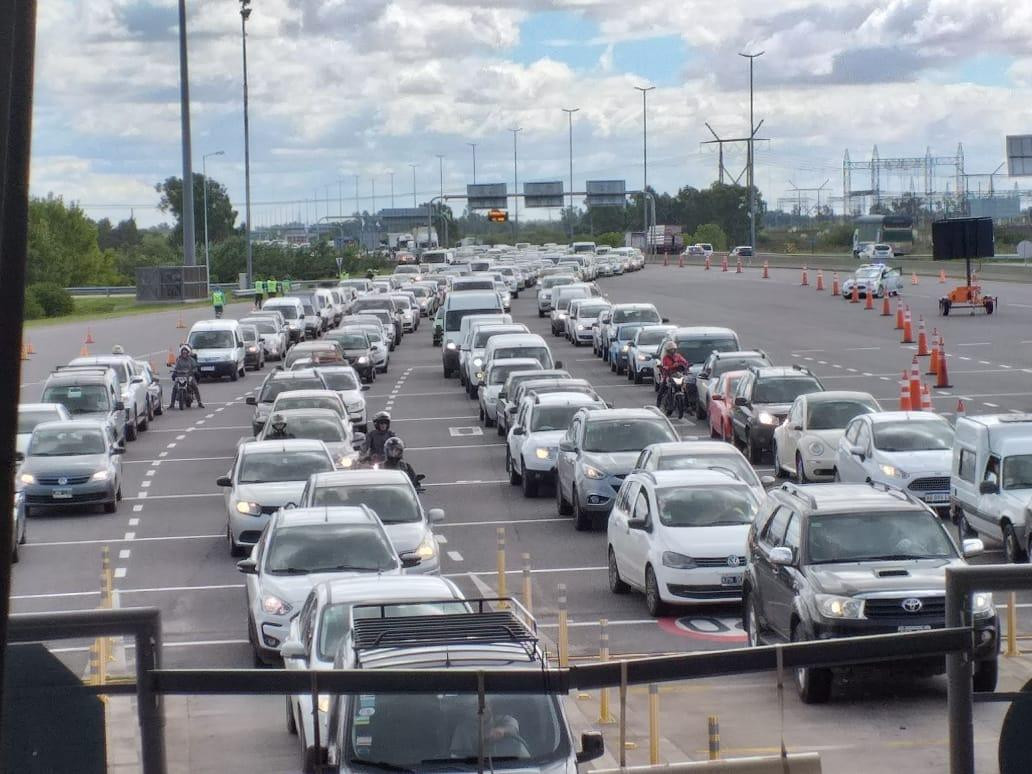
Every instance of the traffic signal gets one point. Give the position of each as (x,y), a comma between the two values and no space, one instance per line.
(498,216)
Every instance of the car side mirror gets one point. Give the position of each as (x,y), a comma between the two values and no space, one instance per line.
(19,457)
(365,388)
(251,400)
(795,426)
(665,320)
(118,449)
(988,487)
(567,446)
(767,481)
(503,395)
(408,562)
(782,556)
(247,566)
(972,547)
(741,400)
(858,451)
(641,524)
(518,431)
(119,406)
(558,363)
(592,746)
(223,481)
(292,649)
(136,380)
(704,374)
(436,515)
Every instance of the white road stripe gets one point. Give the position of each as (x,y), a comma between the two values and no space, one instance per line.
(134,539)
(499,522)
(455,556)
(120,572)
(124,553)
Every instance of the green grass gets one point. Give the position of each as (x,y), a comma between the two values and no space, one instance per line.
(103,307)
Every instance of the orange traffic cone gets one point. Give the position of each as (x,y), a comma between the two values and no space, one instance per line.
(766,271)
(805,279)
(961,409)
(908,328)
(171,359)
(899,315)
(834,284)
(820,280)
(723,263)
(869,303)
(922,338)
(913,279)
(915,385)
(85,351)
(29,348)
(904,393)
(942,276)
(89,336)
(926,399)
(738,266)
(933,361)
(942,378)
(24,351)
(854,296)
(707,264)
(886,311)
(179,322)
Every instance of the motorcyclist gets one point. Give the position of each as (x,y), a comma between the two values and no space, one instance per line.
(393,450)
(117,350)
(377,438)
(671,359)
(278,428)
(186,365)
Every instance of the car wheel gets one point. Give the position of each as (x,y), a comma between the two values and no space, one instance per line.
(638,378)
(252,634)
(581,520)
(514,476)
(234,376)
(159,409)
(131,431)
(150,412)
(985,675)
(751,622)
(814,685)
(700,409)
(654,603)
(291,722)
(1012,547)
(118,494)
(616,583)
(963,526)
(800,471)
(754,451)
(612,367)
(234,548)
(110,507)
(528,484)
(835,476)
(561,505)
(483,416)
(779,472)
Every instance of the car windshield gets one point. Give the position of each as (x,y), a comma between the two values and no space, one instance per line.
(626,332)
(211,340)
(482,337)
(499,374)
(393,503)
(650,338)
(336,619)
(328,548)
(590,310)
(1017,471)
(249,333)
(870,272)
(547,418)
(733,462)
(62,442)
(624,435)
(308,402)
(551,282)
(339,380)
(835,414)
(696,350)
(453,317)
(27,420)
(351,340)
(541,354)
(288,312)
(327,429)
(778,389)
(570,295)
(885,535)
(274,387)
(263,326)
(918,435)
(708,506)
(260,467)
(636,315)
(79,398)
(420,732)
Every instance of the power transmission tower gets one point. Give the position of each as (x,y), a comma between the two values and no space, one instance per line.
(720,142)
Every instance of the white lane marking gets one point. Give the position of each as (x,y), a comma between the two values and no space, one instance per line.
(150,472)
(1016,411)
(137,509)
(198,422)
(139,496)
(178,437)
(609,622)
(852,370)
(441,540)
(963,358)
(866,373)
(976,344)
(130,536)
(124,553)
(219,409)
(190,429)
(541,571)
(132,522)
(120,572)
(143,496)
(497,523)
(453,393)
(163,454)
(990,405)
(808,358)
(861,349)
(209,416)
(134,539)
(455,556)
(146,484)
(835,365)
(178,459)
(822,362)
(1004,365)
(983,362)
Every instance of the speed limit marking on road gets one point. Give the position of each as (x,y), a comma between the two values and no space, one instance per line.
(711,629)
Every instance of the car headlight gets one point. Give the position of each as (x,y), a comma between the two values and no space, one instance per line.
(982,603)
(561,315)
(363,359)
(249,509)
(27,478)
(676,561)
(817,449)
(767,418)
(580,327)
(542,453)
(273,605)
(893,472)
(625,348)
(477,362)
(356,406)
(593,473)
(450,345)
(100,475)
(324,703)
(643,357)
(480,376)
(832,606)
(345,461)
(427,548)
(252,348)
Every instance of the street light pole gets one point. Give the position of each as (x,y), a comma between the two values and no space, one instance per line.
(752,134)
(357,209)
(515,186)
(645,157)
(391,173)
(473,145)
(245,12)
(440,161)
(189,240)
(414,186)
(204,174)
(569,112)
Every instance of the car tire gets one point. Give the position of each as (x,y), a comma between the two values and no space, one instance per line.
(963,526)
(514,477)
(612,367)
(751,622)
(653,602)
(131,433)
(779,472)
(700,410)
(252,635)
(150,413)
(986,674)
(234,376)
(753,452)
(561,505)
(638,378)
(540,313)
(813,684)
(800,471)
(528,484)
(159,409)
(111,507)
(235,550)
(616,584)
(581,520)
(1012,548)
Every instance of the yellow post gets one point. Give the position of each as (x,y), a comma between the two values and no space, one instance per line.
(1012,625)
(603,656)
(653,724)
(501,563)
(94,662)
(714,738)
(528,601)
(564,631)
(623,714)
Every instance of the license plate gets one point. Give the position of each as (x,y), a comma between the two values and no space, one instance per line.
(914,628)
(937,497)
(731,580)
(61,494)
(207,368)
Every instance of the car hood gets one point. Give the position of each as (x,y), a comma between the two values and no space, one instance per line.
(850,578)
(207,355)
(72,465)
(613,463)
(829,438)
(350,353)
(406,536)
(646,349)
(104,416)
(273,493)
(780,409)
(293,589)
(918,462)
(549,438)
(351,397)
(726,540)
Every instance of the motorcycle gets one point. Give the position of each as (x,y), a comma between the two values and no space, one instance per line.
(181,390)
(681,393)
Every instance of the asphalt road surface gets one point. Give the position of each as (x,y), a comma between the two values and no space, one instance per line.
(168,545)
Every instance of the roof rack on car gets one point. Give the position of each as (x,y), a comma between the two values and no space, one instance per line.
(83,367)
(895,491)
(799,367)
(796,491)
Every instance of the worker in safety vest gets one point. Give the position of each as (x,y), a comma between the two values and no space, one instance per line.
(259,293)
(218,300)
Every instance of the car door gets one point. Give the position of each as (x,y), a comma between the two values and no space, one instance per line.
(566,461)
(790,432)
(639,539)
(781,599)
(741,415)
(770,537)
(986,519)
(619,531)
(865,466)
(844,461)
(522,420)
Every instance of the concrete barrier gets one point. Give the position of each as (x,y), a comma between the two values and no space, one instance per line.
(794,763)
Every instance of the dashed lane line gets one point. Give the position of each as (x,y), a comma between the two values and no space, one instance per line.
(127,538)
(455,556)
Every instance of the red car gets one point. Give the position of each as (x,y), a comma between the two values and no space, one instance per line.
(722,404)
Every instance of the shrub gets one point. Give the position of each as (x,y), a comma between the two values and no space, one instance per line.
(55,300)
(33,309)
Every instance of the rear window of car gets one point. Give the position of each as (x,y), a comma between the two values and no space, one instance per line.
(635,315)
(697,349)
(276,386)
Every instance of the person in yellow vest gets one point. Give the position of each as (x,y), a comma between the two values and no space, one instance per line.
(286,286)
(259,293)
(218,300)
(271,286)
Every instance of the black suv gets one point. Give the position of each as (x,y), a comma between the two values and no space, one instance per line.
(762,401)
(845,560)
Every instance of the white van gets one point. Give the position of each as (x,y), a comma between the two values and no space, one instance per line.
(293,312)
(219,347)
(458,305)
(991,479)
(519,345)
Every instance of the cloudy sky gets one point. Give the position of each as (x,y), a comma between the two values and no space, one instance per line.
(341,88)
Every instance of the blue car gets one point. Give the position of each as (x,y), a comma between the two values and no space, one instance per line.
(620,345)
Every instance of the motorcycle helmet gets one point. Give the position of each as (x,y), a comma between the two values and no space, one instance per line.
(185,350)
(393,449)
(669,348)
(117,350)
(382,418)
(278,423)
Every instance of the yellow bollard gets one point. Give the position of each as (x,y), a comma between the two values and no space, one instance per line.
(653,724)
(714,738)
(1012,625)
(501,563)
(603,656)
(623,714)
(528,601)
(564,631)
